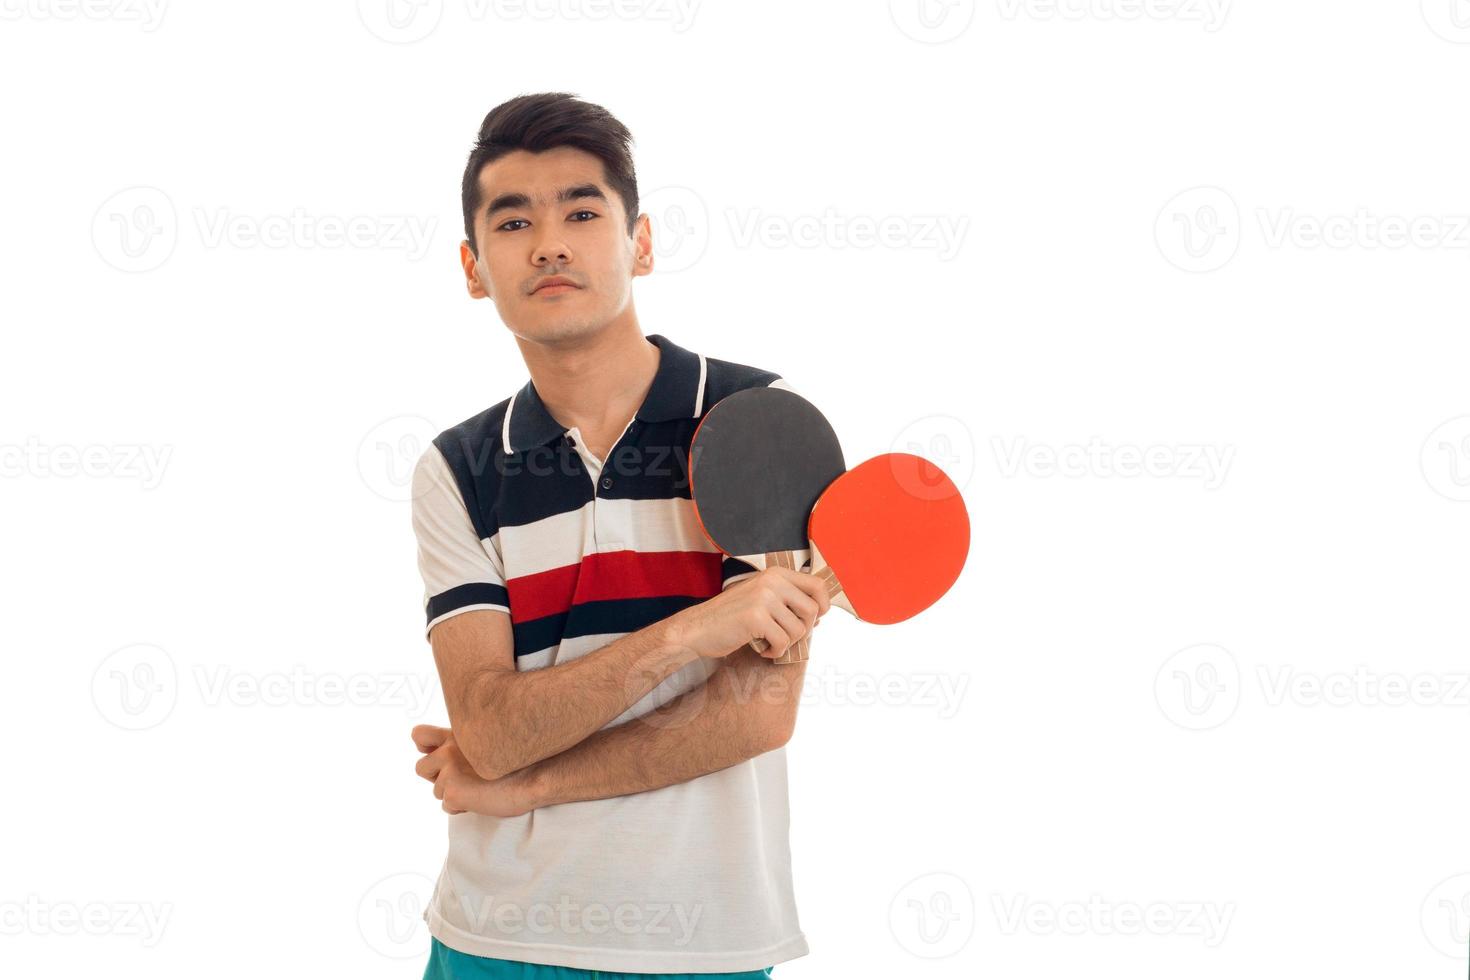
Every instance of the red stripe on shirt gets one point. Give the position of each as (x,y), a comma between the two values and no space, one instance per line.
(614,575)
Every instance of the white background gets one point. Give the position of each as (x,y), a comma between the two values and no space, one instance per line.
(1204,719)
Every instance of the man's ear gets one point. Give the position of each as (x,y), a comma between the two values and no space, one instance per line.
(478,289)
(642,245)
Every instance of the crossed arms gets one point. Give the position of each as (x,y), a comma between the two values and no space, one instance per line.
(519,740)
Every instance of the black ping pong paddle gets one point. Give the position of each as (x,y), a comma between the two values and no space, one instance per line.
(758,461)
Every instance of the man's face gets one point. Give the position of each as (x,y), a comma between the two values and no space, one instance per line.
(552,214)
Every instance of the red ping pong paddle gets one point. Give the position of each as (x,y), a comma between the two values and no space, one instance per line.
(889,537)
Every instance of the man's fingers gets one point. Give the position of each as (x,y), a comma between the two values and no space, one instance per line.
(808,587)
(775,637)
(816,589)
(427,738)
(428,767)
(791,624)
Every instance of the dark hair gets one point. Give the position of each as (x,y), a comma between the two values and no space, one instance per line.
(541,122)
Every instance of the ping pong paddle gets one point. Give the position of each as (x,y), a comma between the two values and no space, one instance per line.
(757,463)
(889,537)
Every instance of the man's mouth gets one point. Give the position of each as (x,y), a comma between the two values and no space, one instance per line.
(552,285)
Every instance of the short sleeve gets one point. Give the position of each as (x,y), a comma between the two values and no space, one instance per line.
(460,571)
(734,570)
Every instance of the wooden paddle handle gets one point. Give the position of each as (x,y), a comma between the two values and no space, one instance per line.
(796,652)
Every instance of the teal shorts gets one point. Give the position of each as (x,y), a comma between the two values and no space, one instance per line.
(451,964)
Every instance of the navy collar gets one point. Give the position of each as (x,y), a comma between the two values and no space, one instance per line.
(677,392)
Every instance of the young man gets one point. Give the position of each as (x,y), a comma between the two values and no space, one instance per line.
(614,767)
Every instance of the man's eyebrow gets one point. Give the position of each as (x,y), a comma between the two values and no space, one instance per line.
(515,199)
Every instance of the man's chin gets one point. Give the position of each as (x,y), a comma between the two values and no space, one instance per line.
(557,329)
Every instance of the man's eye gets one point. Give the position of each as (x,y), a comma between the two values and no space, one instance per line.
(512,221)
(589,214)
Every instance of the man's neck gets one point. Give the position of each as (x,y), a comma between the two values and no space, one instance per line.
(597,384)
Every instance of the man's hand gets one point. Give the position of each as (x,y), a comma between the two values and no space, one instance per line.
(459,786)
(777,604)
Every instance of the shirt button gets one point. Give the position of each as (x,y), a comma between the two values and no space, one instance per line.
(607,483)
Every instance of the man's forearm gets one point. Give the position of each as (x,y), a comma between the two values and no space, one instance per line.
(747,707)
(509,720)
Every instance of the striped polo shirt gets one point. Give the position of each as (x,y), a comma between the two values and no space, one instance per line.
(513,513)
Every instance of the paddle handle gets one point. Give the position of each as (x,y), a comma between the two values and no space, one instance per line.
(796,652)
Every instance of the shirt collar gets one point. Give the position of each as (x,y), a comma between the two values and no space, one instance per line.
(677,392)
